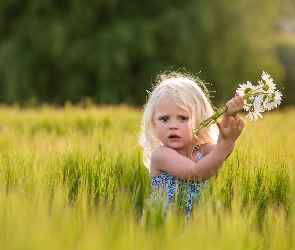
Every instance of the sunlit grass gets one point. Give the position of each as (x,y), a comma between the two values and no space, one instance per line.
(73,178)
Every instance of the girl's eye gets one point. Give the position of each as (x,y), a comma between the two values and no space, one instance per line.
(183,118)
(164,118)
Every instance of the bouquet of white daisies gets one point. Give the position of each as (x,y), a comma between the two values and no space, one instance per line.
(258,99)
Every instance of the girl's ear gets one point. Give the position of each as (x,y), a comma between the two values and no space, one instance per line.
(152,124)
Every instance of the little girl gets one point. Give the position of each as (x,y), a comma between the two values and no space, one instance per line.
(180,163)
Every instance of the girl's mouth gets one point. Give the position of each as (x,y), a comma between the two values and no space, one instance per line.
(173,136)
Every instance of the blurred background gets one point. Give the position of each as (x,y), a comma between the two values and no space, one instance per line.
(111,51)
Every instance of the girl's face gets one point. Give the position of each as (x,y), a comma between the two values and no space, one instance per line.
(172,125)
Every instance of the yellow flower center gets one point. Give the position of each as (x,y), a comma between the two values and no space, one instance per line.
(248,91)
(265,87)
(272,97)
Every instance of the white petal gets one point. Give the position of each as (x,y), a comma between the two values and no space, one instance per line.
(250,116)
(246,107)
(253,116)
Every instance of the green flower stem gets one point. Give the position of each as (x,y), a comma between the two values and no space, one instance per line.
(212,119)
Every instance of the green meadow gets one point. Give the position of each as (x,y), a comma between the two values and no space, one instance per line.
(73,178)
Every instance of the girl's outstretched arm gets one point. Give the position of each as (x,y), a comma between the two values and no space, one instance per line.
(165,159)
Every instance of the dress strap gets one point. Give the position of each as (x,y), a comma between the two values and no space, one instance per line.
(197,150)
(200,156)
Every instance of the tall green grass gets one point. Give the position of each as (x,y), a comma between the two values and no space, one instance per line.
(73,178)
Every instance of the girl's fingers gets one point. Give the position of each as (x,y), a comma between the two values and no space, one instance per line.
(235,105)
(239,123)
(234,129)
(232,121)
(236,102)
(236,123)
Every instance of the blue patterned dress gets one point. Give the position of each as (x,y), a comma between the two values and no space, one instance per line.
(178,192)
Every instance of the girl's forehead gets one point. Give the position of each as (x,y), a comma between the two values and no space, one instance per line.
(169,104)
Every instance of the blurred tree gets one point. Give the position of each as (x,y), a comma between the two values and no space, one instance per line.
(286,54)
(111,50)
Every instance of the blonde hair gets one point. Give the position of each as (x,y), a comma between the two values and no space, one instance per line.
(190,94)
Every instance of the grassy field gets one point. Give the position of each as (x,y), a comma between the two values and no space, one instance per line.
(73,178)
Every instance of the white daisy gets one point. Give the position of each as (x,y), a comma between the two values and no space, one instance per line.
(277,97)
(266,77)
(255,110)
(245,89)
(266,84)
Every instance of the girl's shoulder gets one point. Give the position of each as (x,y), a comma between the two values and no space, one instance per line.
(161,160)
(160,152)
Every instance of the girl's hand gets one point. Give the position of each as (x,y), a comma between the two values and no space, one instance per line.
(234,105)
(234,129)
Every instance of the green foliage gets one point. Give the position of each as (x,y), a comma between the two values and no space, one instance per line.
(53,51)
(75,175)
(286,54)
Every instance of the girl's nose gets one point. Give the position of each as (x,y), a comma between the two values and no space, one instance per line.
(173,125)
